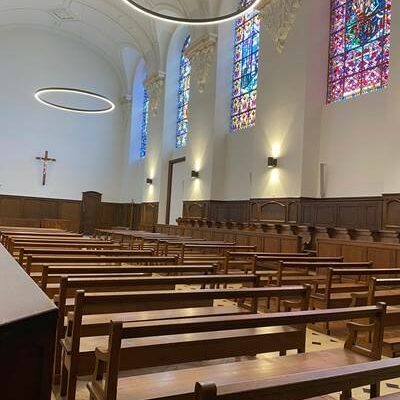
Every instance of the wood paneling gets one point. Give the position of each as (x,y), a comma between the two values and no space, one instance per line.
(384,255)
(360,212)
(37,212)
(391,211)
(148,215)
(268,242)
(215,210)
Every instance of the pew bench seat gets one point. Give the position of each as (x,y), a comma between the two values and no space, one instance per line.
(151,352)
(344,299)
(178,385)
(96,324)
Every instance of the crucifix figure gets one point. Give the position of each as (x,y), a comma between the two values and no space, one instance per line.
(45,161)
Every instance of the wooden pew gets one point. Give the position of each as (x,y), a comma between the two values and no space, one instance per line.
(243,260)
(50,276)
(387,289)
(117,302)
(194,252)
(327,298)
(293,273)
(25,252)
(267,264)
(174,246)
(304,385)
(62,246)
(179,384)
(35,263)
(69,286)
(15,243)
(7,235)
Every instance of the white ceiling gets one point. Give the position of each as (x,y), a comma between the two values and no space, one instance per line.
(122,35)
(110,26)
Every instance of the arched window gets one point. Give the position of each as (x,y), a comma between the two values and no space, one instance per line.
(359,47)
(145,120)
(183,97)
(245,70)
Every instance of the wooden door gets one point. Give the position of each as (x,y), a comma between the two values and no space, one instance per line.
(90,210)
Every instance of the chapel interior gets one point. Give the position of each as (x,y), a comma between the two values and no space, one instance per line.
(199,199)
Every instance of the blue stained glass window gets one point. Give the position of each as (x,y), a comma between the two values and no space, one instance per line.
(245,70)
(183,97)
(359,47)
(145,120)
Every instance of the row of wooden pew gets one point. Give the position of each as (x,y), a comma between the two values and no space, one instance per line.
(162,322)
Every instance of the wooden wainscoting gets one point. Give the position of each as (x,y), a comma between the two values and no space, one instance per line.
(354,212)
(58,213)
(384,255)
(268,242)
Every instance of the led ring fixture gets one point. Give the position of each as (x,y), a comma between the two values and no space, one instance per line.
(193,21)
(110,106)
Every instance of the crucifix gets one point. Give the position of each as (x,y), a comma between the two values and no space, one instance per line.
(46,159)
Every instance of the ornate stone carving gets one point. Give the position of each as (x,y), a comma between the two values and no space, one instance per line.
(126,106)
(154,86)
(279,17)
(201,54)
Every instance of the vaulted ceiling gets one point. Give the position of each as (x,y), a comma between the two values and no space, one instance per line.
(122,35)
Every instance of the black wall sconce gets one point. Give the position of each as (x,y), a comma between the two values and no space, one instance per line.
(195,174)
(272,162)
(149,181)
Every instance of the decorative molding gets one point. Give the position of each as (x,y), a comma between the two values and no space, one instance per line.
(279,17)
(126,106)
(154,86)
(201,54)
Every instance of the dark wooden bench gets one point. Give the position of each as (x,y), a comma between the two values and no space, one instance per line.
(267,265)
(77,328)
(389,291)
(65,300)
(50,276)
(305,385)
(35,263)
(18,246)
(25,252)
(328,298)
(16,243)
(179,384)
(243,260)
(293,273)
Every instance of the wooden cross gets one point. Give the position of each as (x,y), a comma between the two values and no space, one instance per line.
(45,161)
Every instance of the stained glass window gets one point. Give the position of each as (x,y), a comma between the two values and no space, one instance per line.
(359,47)
(145,120)
(245,70)
(183,97)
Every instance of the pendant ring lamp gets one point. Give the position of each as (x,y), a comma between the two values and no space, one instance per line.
(193,21)
(108,104)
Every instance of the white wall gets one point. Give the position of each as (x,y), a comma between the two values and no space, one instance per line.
(360,137)
(357,139)
(177,192)
(89,149)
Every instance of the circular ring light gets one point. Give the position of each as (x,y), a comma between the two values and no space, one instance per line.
(109,105)
(193,21)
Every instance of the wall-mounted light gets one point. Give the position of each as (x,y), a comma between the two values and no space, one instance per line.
(195,174)
(149,181)
(272,162)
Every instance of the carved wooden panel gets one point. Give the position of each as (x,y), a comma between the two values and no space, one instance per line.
(354,253)
(391,211)
(273,211)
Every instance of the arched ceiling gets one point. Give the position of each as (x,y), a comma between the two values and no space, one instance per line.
(112,27)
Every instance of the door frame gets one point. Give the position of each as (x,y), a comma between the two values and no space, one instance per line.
(171,165)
